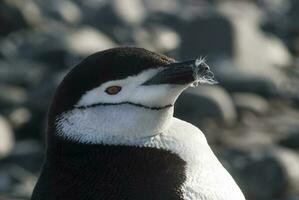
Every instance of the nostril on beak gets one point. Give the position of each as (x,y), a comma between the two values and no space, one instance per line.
(205,67)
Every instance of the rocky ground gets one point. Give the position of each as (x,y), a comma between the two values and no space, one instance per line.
(251,118)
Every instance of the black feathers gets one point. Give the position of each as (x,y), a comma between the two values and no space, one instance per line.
(91,172)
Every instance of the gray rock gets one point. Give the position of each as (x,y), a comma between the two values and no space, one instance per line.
(241,80)
(263,173)
(250,102)
(32,13)
(281,19)
(21,72)
(196,34)
(65,10)
(292,197)
(48,47)
(7,138)
(289,160)
(34,122)
(205,102)
(254,50)
(43,91)
(11,95)
(131,12)
(56,45)
(245,138)
(17,182)
(157,38)
(257,55)
(86,41)
(6,181)
(166,6)
(290,140)
(11,18)
(259,176)
(27,154)
(24,11)
(19,117)
(102,15)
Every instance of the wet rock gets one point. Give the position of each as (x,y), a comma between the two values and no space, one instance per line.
(250,102)
(205,102)
(7,138)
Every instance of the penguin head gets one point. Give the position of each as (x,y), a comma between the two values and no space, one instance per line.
(119,95)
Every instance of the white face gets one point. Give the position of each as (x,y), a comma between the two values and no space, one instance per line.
(136,111)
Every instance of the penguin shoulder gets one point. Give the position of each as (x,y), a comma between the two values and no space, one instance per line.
(184,136)
(183,139)
(183,129)
(206,178)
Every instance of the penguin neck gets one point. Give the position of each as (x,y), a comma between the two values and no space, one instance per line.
(112,125)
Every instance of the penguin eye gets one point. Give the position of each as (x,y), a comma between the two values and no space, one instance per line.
(112,90)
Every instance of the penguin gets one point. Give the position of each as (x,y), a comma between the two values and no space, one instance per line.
(111,133)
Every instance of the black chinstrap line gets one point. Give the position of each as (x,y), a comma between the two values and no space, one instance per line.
(122,103)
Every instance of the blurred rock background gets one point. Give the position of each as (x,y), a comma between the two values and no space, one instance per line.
(251,118)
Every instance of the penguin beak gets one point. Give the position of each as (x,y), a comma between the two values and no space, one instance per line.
(181,73)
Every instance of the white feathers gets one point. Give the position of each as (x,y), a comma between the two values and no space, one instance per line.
(207,78)
(112,124)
